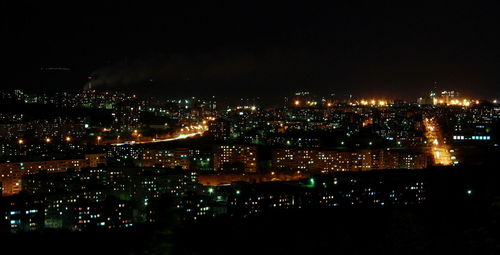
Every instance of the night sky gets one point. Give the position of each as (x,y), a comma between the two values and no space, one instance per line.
(250,49)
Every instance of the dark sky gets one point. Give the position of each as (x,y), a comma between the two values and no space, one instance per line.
(250,49)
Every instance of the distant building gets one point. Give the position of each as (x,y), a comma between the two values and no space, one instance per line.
(219,130)
(166,158)
(334,161)
(11,173)
(235,158)
(22,213)
(106,197)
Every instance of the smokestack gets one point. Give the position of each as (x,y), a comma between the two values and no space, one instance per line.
(88,86)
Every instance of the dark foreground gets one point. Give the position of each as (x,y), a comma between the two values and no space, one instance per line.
(466,229)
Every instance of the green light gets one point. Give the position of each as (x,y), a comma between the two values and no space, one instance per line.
(311,183)
(211,190)
(469,192)
(238,192)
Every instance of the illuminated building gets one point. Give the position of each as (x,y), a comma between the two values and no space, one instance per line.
(472,137)
(95,160)
(230,178)
(81,199)
(245,200)
(42,128)
(126,117)
(11,173)
(124,152)
(219,130)
(372,189)
(237,158)
(448,96)
(166,158)
(333,161)
(368,189)
(201,159)
(294,159)
(108,214)
(22,213)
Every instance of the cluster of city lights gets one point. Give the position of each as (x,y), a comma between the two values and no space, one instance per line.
(372,102)
(457,102)
(307,103)
(246,107)
(193,128)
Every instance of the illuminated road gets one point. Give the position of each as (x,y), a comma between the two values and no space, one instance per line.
(179,137)
(440,151)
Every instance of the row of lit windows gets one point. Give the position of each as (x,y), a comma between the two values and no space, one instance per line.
(461,137)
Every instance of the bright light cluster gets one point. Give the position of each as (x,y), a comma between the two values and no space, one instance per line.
(458,102)
(372,102)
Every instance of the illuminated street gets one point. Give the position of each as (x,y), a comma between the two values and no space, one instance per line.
(179,137)
(440,151)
